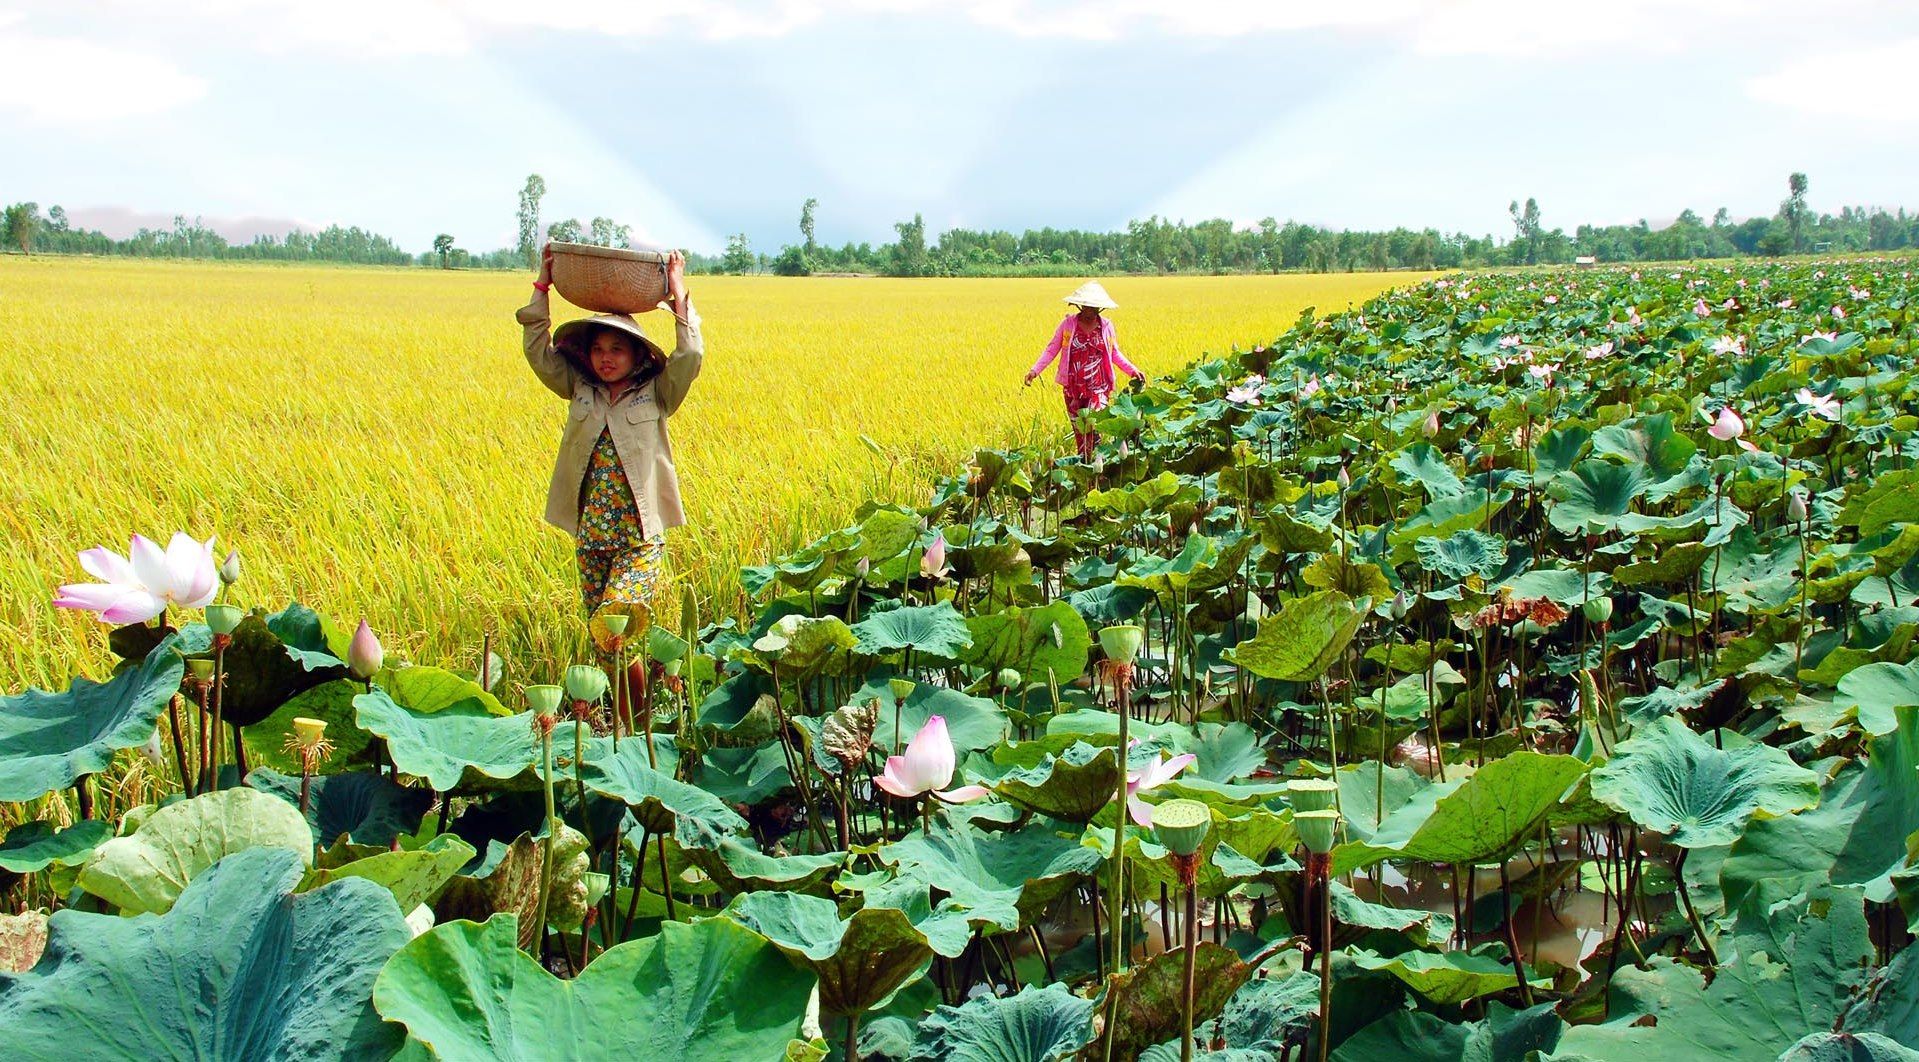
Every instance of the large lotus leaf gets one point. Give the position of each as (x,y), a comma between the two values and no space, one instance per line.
(35,845)
(413,877)
(1593,497)
(1169,575)
(330,702)
(148,869)
(508,881)
(1109,603)
(1302,640)
(1487,816)
(1892,1008)
(358,806)
(1151,995)
(935,630)
(1672,781)
(1033,1025)
(311,639)
(1354,578)
(50,740)
(263,672)
(1449,977)
(1427,929)
(736,866)
(860,961)
(1793,971)
(1046,643)
(805,646)
(887,533)
(658,800)
(1284,532)
(1857,834)
(1423,464)
(23,939)
(993,877)
(714,990)
(744,775)
(1848,1047)
(1227,752)
(1649,444)
(1265,1014)
(1443,516)
(1506,1035)
(1074,785)
(238,969)
(973,723)
(1466,553)
(1876,690)
(460,748)
(1892,498)
(733,702)
(430,689)
(1369,795)
(1136,499)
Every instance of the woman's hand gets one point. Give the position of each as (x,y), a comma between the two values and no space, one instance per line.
(546,264)
(676,280)
(1028,380)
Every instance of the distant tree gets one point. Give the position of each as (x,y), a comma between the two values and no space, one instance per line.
(57,218)
(567,231)
(22,223)
(792,262)
(1721,218)
(608,233)
(1793,210)
(806,226)
(739,254)
(443,246)
(529,215)
(909,254)
(1525,231)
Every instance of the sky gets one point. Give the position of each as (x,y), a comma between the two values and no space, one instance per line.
(691,120)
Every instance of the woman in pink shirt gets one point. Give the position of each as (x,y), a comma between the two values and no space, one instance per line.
(1088,357)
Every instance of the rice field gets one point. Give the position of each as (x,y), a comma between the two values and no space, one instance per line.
(373,443)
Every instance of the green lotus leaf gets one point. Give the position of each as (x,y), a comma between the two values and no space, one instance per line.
(1044,643)
(148,869)
(263,671)
(693,993)
(1484,817)
(1594,496)
(973,723)
(1035,1024)
(1877,691)
(1426,929)
(461,748)
(732,702)
(1669,565)
(1894,1009)
(48,741)
(887,533)
(430,689)
(34,846)
(1268,1013)
(413,877)
(1151,995)
(1443,516)
(1417,1036)
(1794,967)
(1848,1047)
(1000,879)
(1283,532)
(1558,450)
(1137,499)
(1226,752)
(237,969)
(1649,444)
(1449,977)
(1464,554)
(658,800)
(361,807)
(507,881)
(1670,780)
(1164,576)
(1355,579)
(744,775)
(329,702)
(1073,785)
(311,639)
(736,866)
(1891,499)
(934,630)
(807,646)
(1302,640)
(1426,466)
(860,961)
(1109,603)
(1857,834)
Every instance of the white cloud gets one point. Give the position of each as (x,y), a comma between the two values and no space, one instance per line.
(1873,85)
(65,81)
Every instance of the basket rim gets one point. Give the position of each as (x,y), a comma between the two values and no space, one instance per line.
(591,250)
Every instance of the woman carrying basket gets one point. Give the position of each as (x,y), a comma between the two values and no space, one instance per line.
(1088,355)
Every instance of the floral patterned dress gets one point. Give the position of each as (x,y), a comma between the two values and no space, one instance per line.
(1087,386)
(619,564)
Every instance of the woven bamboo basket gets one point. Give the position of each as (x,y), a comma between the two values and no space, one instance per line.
(609,279)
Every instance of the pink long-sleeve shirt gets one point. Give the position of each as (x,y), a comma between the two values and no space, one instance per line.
(1061,346)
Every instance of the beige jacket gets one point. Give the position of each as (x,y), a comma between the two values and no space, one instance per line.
(637,422)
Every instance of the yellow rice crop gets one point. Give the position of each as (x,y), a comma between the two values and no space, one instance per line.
(374,444)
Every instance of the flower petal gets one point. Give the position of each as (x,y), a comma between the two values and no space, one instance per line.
(929,761)
(963,794)
(138,606)
(891,781)
(92,597)
(107,566)
(1140,811)
(150,565)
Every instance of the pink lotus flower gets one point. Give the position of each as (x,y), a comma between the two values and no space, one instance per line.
(1830,337)
(140,586)
(1729,345)
(1509,341)
(1700,309)
(1783,304)
(1248,392)
(1858,294)
(933,561)
(364,654)
(1594,353)
(1633,318)
(1150,777)
(1729,427)
(1551,300)
(1311,387)
(1838,312)
(1819,405)
(1543,372)
(927,767)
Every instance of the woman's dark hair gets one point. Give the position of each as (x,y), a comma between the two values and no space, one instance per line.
(646,364)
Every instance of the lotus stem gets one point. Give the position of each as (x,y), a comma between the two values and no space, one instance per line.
(83,792)
(1512,935)
(1192,954)
(179,744)
(545,724)
(1692,915)
(212,736)
(1319,871)
(666,879)
(853,1037)
(1125,685)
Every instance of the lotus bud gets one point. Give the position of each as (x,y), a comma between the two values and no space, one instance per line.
(933,561)
(1392,404)
(1344,479)
(364,655)
(1008,679)
(1182,825)
(1431,427)
(616,623)
(1597,609)
(544,699)
(584,682)
(1312,794)
(1399,606)
(230,568)
(863,568)
(1122,642)
(201,669)
(1796,507)
(1317,829)
(221,619)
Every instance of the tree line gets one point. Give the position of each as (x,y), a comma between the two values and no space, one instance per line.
(1152,245)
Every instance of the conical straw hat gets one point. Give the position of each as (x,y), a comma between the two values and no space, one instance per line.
(1091,294)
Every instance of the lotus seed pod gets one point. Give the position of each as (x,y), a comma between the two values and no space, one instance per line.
(201,669)
(230,568)
(1312,794)
(309,732)
(672,667)
(221,619)
(1598,609)
(902,688)
(616,623)
(584,682)
(1182,825)
(544,699)
(1008,679)
(364,655)
(1122,642)
(1796,507)
(1316,829)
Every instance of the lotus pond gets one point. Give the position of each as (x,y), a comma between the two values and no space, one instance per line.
(1515,667)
